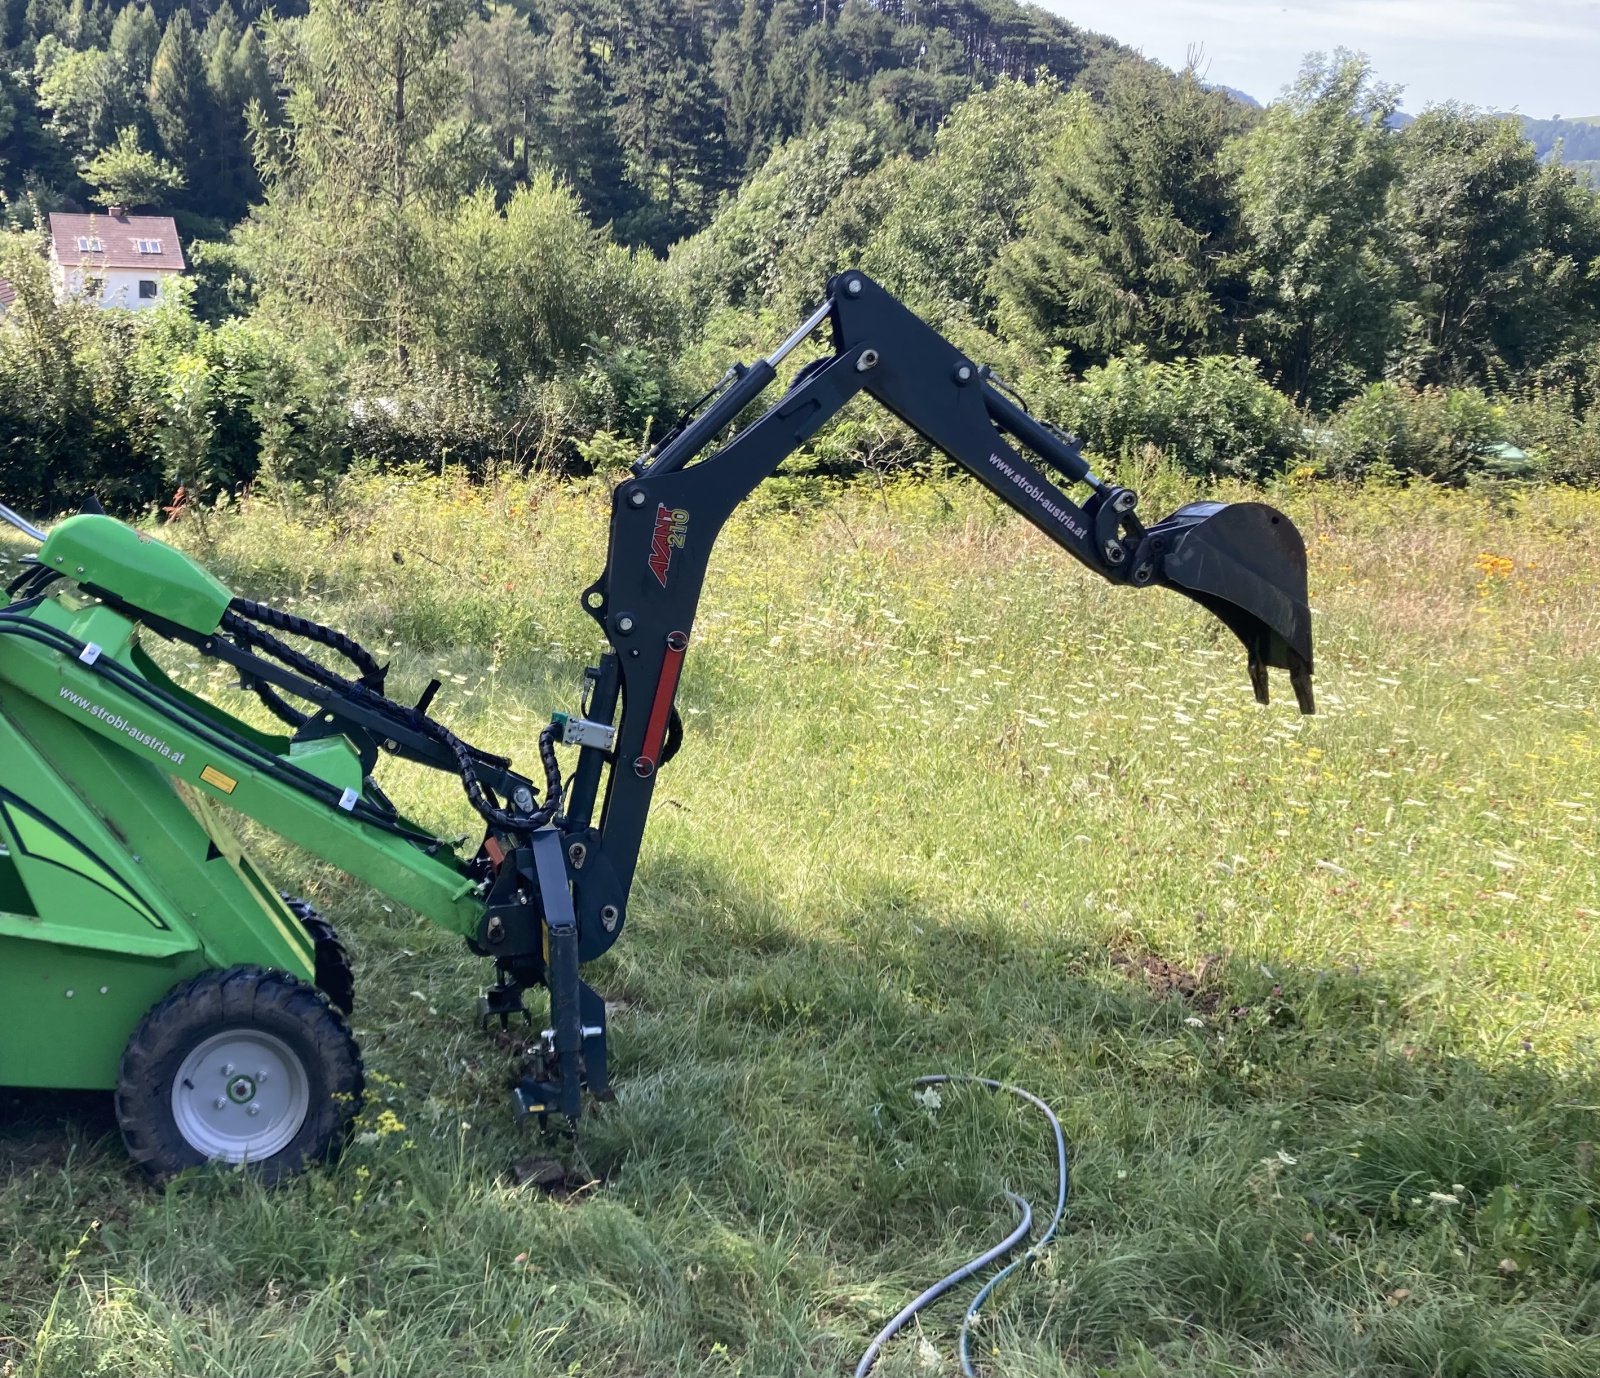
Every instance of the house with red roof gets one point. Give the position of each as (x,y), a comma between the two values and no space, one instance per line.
(119,260)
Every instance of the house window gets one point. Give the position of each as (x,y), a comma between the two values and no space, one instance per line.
(147,246)
(90,244)
(147,289)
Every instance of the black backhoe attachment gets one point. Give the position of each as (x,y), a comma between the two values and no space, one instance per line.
(1243,562)
(548,888)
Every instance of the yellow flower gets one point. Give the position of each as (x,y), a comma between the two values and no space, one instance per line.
(1493,566)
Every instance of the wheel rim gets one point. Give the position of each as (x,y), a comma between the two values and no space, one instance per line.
(240,1096)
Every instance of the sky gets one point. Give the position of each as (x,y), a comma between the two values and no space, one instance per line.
(1540,57)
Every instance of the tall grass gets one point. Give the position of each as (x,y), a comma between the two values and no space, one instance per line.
(1315,997)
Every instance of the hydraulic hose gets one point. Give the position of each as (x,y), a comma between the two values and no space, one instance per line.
(993,1255)
(249,636)
(933,1293)
(370,672)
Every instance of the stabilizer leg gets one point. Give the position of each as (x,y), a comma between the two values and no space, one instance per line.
(575,1042)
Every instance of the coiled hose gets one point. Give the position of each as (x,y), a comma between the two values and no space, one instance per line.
(989,1256)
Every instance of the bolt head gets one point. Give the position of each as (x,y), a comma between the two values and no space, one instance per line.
(624,624)
(636,498)
(853,287)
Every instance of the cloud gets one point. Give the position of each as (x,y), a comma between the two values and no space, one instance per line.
(1456,21)
(1497,53)
(1433,20)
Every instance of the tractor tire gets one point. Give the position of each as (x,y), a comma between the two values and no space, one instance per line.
(241,1065)
(335,977)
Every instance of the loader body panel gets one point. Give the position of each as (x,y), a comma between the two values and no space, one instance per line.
(115,888)
(133,565)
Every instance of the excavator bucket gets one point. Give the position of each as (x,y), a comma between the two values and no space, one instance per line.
(1245,562)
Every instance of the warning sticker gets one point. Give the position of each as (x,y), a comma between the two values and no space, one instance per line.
(217,780)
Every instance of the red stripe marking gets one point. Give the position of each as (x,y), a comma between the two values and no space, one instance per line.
(655,732)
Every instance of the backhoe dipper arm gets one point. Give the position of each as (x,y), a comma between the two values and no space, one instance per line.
(665,522)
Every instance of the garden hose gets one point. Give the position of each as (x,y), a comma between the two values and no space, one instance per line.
(989,1256)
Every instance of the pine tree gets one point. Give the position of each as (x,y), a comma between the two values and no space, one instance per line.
(43,17)
(180,102)
(229,163)
(135,36)
(86,25)
(349,196)
(1132,241)
(669,119)
(222,31)
(502,63)
(578,132)
(132,45)
(740,75)
(252,78)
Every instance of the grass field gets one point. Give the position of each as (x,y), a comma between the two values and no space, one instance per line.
(1315,998)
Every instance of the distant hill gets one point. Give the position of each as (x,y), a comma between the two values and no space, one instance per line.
(1579,137)
(653,110)
(1243,97)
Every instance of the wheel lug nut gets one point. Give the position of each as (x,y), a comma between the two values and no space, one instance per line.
(254,1110)
(227,1069)
(221,1102)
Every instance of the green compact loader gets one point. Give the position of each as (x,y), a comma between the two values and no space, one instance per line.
(142,950)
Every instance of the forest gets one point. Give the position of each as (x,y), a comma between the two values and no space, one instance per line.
(528,236)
